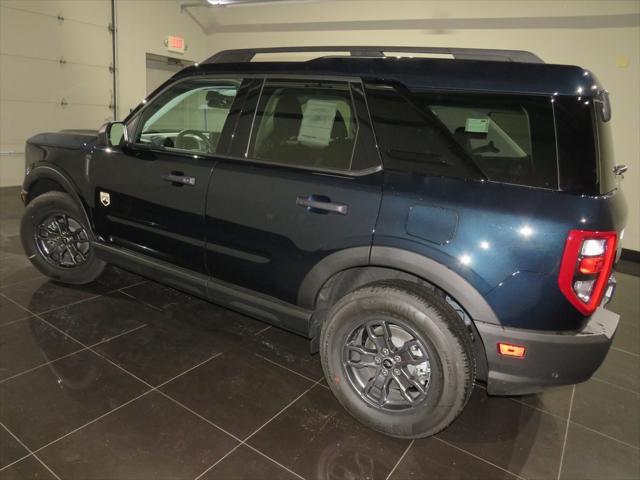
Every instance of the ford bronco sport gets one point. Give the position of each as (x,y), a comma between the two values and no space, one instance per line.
(426,222)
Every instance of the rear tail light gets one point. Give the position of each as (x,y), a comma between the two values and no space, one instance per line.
(586,266)
(591,265)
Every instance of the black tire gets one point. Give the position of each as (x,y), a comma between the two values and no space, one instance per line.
(431,321)
(60,205)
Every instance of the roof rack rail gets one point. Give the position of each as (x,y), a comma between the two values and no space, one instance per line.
(245,55)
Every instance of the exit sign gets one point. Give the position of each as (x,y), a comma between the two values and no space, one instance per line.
(175,44)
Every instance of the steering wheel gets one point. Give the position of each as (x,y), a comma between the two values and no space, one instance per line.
(181,139)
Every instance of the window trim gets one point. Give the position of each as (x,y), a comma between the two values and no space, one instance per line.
(253,119)
(317,170)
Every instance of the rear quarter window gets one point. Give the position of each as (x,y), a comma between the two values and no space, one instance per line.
(608,180)
(508,139)
(577,148)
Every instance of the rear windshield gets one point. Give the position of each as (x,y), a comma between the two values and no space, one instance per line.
(502,138)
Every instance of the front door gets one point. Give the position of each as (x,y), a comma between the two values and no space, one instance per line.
(304,183)
(149,194)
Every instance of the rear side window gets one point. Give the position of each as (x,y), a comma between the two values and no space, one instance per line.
(506,139)
(309,124)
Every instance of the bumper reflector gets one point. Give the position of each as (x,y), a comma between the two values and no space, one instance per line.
(508,350)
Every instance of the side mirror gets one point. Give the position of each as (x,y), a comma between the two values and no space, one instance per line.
(112,134)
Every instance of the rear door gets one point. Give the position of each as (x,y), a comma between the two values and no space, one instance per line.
(149,194)
(303,181)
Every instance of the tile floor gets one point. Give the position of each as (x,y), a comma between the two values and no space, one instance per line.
(127,379)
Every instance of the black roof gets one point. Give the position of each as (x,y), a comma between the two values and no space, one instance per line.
(427,73)
(247,54)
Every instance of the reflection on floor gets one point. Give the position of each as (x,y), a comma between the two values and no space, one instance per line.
(128,379)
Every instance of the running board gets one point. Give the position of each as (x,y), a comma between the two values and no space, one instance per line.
(251,303)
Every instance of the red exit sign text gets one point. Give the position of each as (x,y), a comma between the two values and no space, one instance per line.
(175,44)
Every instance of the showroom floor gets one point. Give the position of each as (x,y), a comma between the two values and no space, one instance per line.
(128,379)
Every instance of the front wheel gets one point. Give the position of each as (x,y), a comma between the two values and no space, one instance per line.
(398,358)
(56,239)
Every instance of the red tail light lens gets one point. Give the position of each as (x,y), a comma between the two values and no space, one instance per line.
(586,265)
(591,265)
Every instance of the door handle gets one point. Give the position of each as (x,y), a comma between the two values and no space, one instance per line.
(179,178)
(321,204)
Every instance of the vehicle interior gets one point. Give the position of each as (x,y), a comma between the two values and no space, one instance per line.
(192,120)
(305,126)
(499,141)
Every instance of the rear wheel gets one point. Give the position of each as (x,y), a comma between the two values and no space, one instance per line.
(56,239)
(398,358)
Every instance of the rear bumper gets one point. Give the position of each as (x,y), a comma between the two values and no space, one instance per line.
(551,359)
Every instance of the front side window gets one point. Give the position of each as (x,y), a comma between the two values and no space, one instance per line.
(305,123)
(189,115)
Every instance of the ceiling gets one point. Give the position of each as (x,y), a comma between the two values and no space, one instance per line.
(237,16)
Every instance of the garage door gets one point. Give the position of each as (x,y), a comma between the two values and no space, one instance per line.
(55,72)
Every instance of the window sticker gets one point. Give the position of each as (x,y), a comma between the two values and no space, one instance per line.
(477,125)
(317,123)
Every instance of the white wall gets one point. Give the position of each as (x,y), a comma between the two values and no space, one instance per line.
(143,26)
(603,36)
(33,82)
(54,73)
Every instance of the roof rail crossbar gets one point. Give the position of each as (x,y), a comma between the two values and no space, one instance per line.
(247,54)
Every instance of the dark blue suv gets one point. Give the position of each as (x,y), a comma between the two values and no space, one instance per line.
(425,222)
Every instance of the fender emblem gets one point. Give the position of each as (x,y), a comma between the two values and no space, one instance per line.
(105,199)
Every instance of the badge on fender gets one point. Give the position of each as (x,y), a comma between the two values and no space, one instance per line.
(105,199)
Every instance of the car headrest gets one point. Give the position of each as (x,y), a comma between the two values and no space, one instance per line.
(287,115)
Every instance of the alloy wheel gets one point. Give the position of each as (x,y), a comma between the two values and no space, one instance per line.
(62,241)
(387,364)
